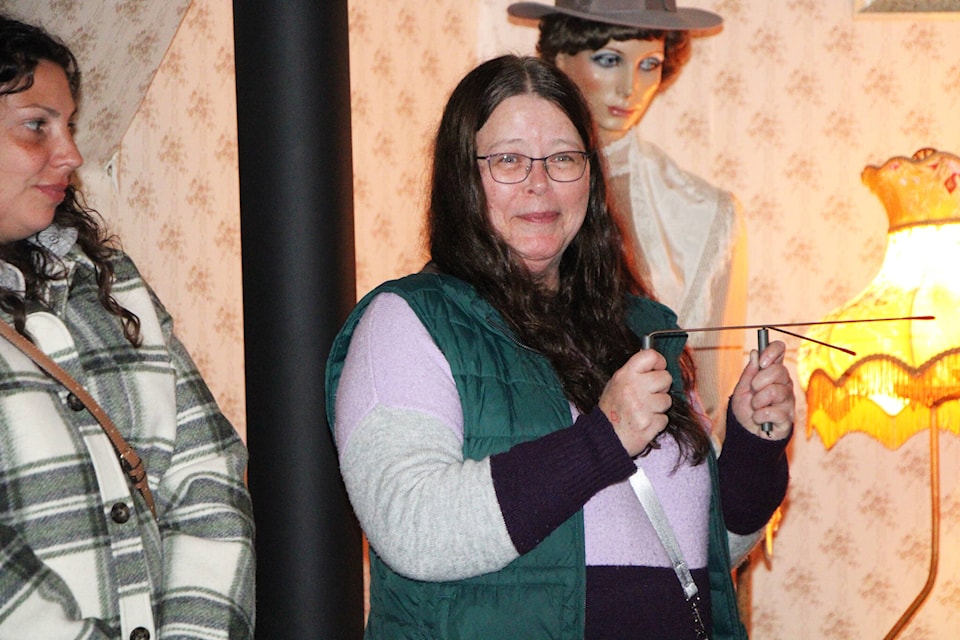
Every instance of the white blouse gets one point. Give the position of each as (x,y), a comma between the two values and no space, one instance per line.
(690,245)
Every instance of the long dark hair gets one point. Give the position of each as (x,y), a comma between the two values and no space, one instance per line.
(566,34)
(581,327)
(22,47)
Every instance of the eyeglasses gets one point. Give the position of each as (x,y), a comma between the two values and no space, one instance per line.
(511,168)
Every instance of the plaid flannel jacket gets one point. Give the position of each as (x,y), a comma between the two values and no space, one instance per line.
(80,553)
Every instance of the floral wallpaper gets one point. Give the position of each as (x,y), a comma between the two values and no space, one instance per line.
(177,197)
(784,107)
(405,58)
(119,44)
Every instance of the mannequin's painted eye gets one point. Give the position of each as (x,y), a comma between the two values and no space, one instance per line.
(606,59)
(651,63)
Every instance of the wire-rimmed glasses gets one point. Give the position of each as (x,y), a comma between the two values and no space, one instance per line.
(511,168)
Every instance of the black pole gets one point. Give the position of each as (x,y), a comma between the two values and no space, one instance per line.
(293,107)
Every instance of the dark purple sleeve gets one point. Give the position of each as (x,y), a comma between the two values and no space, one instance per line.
(753,477)
(541,483)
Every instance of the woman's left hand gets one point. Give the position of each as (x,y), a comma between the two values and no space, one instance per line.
(765,393)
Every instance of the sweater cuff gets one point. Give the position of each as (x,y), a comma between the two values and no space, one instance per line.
(754,474)
(541,483)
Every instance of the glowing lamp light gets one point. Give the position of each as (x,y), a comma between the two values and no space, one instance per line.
(905,377)
(904,369)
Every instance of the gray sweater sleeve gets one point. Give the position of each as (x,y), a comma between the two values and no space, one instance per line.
(428,513)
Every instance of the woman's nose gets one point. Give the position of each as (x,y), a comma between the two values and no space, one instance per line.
(538,179)
(67,153)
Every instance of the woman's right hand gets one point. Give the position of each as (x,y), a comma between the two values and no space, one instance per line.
(636,400)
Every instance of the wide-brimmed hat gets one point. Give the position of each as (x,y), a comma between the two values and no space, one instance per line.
(643,14)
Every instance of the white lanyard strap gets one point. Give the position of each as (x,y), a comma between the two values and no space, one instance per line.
(651,504)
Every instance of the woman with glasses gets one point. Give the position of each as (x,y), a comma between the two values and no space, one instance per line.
(686,233)
(490,411)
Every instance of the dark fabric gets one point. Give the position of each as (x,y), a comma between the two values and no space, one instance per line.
(542,483)
(293,110)
(651,591)
(755,474)
(723,598)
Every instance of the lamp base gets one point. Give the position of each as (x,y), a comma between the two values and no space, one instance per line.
(934,530)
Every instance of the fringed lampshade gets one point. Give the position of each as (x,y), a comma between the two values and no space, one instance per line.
(905,369)
(905,377)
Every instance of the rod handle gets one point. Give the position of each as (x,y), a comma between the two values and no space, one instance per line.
(763,340)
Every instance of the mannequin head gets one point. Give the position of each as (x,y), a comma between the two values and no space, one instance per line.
(620,69)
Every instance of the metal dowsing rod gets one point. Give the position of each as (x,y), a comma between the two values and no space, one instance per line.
(763,338)
(647,340)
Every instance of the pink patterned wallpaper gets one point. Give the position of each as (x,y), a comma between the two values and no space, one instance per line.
(172,195)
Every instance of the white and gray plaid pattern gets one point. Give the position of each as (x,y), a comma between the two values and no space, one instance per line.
(67,568)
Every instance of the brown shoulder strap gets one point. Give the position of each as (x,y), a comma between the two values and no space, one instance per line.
(129,460)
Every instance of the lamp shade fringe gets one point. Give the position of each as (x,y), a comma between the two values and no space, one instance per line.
(884,398)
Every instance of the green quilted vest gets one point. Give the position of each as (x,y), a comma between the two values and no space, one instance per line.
(509,394)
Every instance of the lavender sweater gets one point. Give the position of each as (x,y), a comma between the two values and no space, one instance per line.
(431,515)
